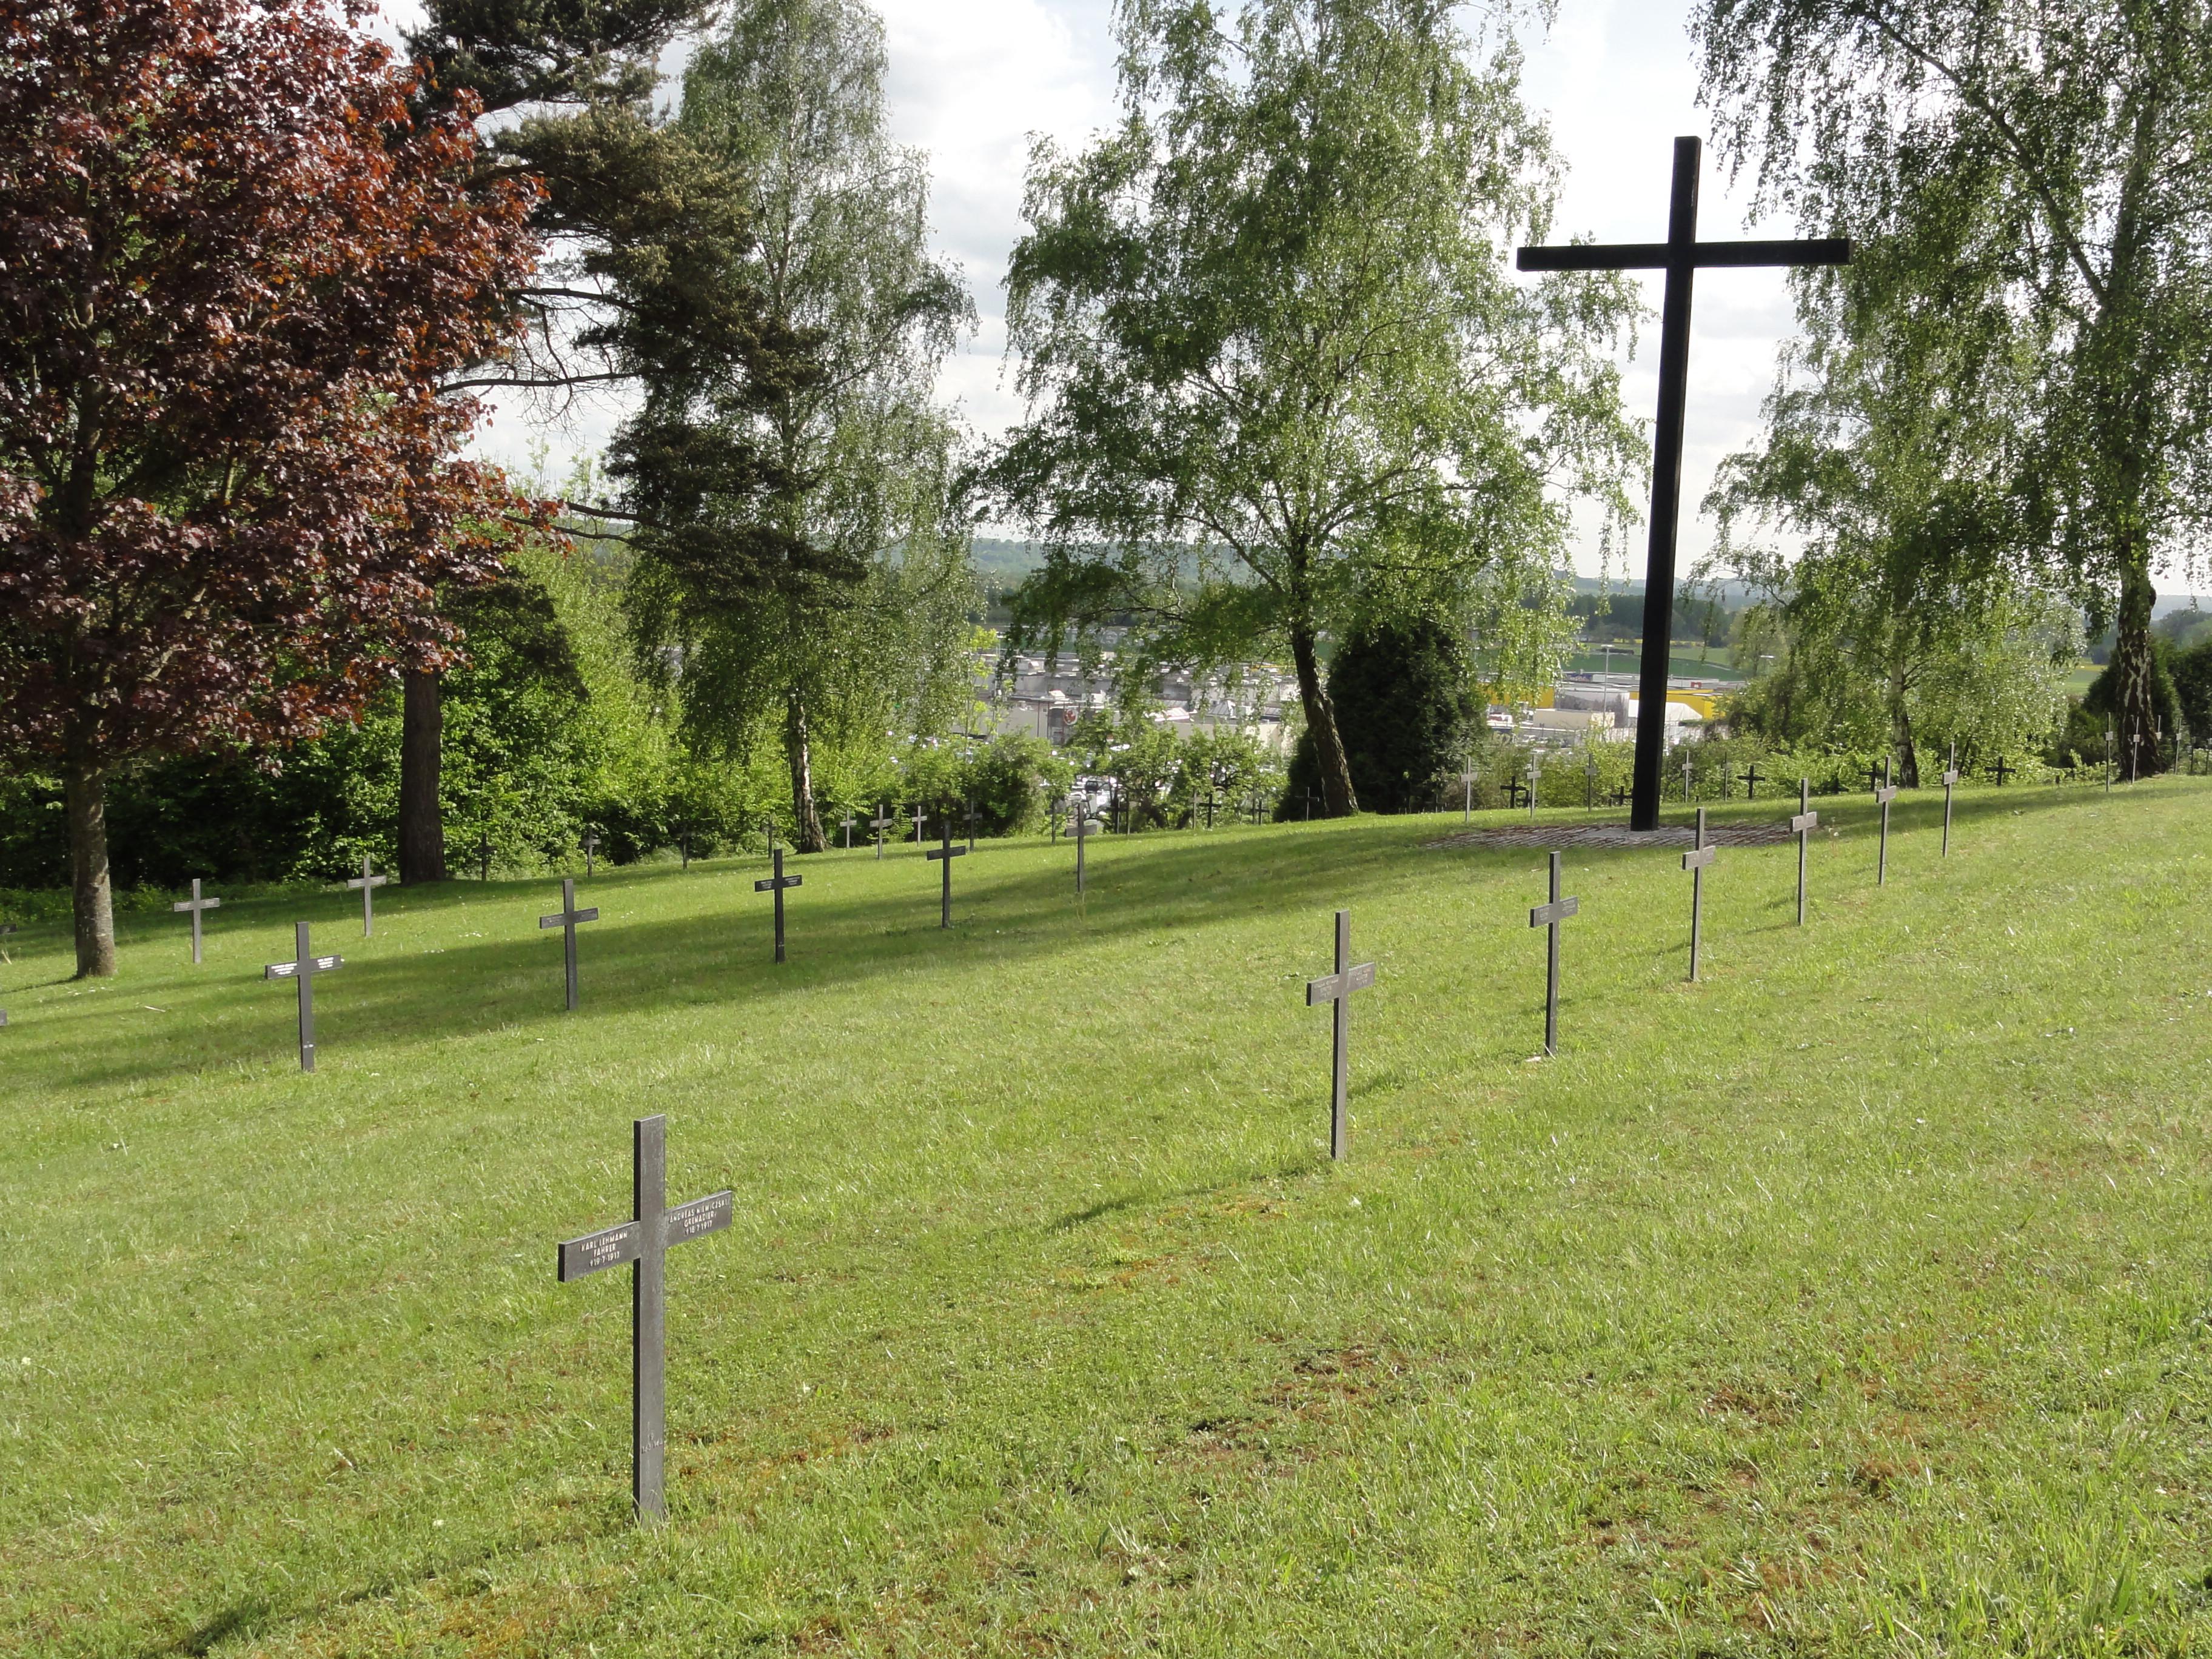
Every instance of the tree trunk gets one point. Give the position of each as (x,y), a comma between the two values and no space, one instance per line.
(798,749)
(92,900)
(1337,800)
(422,760)
(2135,712)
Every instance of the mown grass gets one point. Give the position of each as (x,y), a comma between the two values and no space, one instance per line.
(1852,1301)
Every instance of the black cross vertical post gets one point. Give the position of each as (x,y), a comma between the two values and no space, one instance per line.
(1874,777)
(591,851)
(1803,825)
(303,967)
(1679,256)
(1886,794)
(971,824)
(1950,782)
(1336,988)
(944,854)
(368,883)
(2003,771)
(1750,782)
(566,922)
(775,884)
(643,1242)
(1695,861)
(196,904)
(883,820)
(1551,915)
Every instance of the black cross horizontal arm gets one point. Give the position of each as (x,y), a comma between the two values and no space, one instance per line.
(1658,256)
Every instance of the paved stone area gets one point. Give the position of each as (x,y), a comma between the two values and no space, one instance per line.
(1544,836)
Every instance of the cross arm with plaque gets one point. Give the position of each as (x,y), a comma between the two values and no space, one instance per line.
(1335,988)
(302,968)
(776,884)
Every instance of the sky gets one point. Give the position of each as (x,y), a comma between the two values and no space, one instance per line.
(973,82)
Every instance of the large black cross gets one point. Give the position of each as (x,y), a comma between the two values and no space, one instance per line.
(643,1242)
(1550,916)
(1336,988)
(566,922)
(303,967)
(368,883)
(196,904)
(1679,256)
(775,884)
(945,854)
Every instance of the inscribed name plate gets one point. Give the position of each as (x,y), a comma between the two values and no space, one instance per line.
(698,1217)
(291,970)
(610,1247)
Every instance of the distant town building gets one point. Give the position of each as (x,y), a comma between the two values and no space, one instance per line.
(1045,697)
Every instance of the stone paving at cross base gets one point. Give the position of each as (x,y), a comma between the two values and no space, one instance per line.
(1544,836)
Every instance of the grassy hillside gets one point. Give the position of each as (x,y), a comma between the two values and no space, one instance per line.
(1852,1301)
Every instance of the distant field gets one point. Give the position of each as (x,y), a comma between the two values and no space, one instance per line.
(1625,661)
(1854,1301)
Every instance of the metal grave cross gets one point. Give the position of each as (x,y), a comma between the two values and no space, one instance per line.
(1681,257)
(303,967)
(1886,794)
(1802,825)
(567,921)
(971,823)
(196,904)
(1750,782)
(920,817)
(643,1242)
(1874,776)
(1686,780)
(2108,758)
(1950,782)
(1695,861)
(1081,832)
(1532,783)
(1467,796)
(368,883)
(944,855)
(848,832)
(591,845)
(2135,740)
(775,884)
(1514,790)
(1336,988)
(2003,771)
(885,819)
(1550,916)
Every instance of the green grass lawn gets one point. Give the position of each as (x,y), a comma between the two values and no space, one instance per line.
(1853,1301)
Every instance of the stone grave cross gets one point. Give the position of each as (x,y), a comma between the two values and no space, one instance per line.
(943,855)
(643,1242)
(368,883)
(775,884)
(1550,916)
(1336,989)
(567,921)
(1886,794)
(303,967)
(196,904)
(1695,861)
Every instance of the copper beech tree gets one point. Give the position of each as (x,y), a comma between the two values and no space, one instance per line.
(233,270)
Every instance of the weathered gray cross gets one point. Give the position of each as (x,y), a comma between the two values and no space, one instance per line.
(303,967)
(883,819)
(848,832)
(775,884)
(1886,794)
(591,845)
(1950,782)
(1695,861)
(1550,916)
(1802,825)
(643,1242)
(368,883)
(196,904)
(1081,831)
(971,825)
(944,855)
(1336,988)
(1681,256)
(567,921)
(920,817)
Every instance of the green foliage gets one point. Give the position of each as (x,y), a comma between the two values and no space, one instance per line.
(1406,709)
(1279,374)
(1013,779)
(2192,686)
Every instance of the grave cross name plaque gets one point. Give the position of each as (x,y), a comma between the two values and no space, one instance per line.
(303,967)
(775,884)
(1950,782)
(195,904)
(1695,861)
(1679,256)
(1803,825)
(1550,915)
(885,819)
(1336,988)
(567,921)
(1886,794)
(944,855)
(643,1242)
(368,883)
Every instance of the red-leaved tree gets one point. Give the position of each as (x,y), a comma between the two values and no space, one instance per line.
(232,273)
